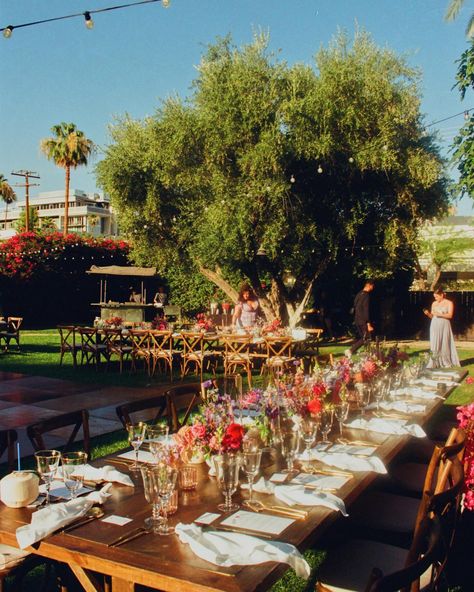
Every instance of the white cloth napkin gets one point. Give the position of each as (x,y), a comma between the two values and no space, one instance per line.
(46,520)
(453,375)
(397,427)
(342,460)
(322,481)
(414,392)
(10,556)
(400,406)
(296,494)
(231,548)
(105,473)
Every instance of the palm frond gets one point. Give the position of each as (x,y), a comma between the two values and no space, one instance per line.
(453,9)
(470,27)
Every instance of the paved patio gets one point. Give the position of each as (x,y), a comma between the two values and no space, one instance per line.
(26,399)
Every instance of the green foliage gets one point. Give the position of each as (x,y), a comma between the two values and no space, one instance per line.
(463,144)
(296,162)
(33,220)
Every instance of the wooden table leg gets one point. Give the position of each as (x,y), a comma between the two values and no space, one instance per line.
(119,585)
(87,580)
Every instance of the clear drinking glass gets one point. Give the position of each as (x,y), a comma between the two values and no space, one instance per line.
(290,440)
(325,423)
(309,430)
(227,473)
(73,471)
(136,435)
(251,468)
(47,462)
(156,436)
(341,412)
(363,397)
(159,482)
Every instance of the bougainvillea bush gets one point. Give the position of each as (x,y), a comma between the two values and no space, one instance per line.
(466,422)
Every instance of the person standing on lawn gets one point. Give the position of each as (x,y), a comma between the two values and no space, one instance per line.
(362,318)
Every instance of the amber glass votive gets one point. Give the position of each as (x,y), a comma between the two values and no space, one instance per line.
(188,478)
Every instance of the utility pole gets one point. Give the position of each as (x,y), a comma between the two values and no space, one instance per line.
(27,175)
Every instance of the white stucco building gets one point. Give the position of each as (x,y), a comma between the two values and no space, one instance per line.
(89,213)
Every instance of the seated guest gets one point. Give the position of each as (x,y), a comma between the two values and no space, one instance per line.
(135,296)
(161,297)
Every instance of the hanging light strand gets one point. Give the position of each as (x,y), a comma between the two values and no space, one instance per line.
(7,31)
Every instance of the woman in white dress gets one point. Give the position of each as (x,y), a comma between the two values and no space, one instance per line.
(441,334)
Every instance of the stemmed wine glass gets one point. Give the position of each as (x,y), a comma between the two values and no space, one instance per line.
(309,430)
(47,462)
(290,440)
(136,435)
(341,411)
(251,467)
(159,482)
(325,423)
(363,397)
(227,473)
(156,435)
(73,471)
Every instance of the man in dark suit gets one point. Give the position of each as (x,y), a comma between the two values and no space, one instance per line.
(362,320)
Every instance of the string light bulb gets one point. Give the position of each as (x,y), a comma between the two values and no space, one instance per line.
(351,160)
(292,179)
(320,169)
(7,31)
(466,115)
(88,20)
(165,3)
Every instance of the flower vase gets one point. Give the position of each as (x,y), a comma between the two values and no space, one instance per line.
(193,457)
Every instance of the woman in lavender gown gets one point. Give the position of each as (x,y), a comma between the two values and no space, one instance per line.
(441,334)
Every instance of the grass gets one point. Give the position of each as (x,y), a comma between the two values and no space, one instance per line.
(39,356)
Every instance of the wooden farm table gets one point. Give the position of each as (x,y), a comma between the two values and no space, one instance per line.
(163,563)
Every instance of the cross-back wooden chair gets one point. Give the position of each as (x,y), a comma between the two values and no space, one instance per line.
(151,409)
(12,332)
(161,351)
(183,400)
(194,353)
(68,345)
(116,344)
(92,350)
(7,444)
(278,352)
(74,420)
(140,343)
(237,354)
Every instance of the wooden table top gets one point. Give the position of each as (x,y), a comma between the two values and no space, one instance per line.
(163,563)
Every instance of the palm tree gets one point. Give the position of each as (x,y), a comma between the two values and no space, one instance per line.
(453,11)
(68,149)
(7,194)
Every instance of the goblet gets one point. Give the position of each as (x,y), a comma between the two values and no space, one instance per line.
(136,435)
(227,473)
(156,436)
(73,471)
(159,482)
(309,430)
(341,411)
(325,423)
(290,439)
(47,462)
(363,397)
(251,467)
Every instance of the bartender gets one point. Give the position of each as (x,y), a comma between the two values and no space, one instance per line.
(135,296)
(161,297)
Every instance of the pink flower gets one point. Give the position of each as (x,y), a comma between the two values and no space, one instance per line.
(469,380)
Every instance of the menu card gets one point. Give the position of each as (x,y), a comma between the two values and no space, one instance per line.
(264,523)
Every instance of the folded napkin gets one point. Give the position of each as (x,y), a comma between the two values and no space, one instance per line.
(353,449)
(453,375)
(432,382)
(322,481)
(231,548)
(11,556)
(414,392)
(400,406)
(105,473)
(46,520)
(343,460)
(381,425)
(296,494)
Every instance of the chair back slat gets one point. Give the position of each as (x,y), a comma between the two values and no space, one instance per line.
(183,398)
(75,420)
(7,443)
(159,404)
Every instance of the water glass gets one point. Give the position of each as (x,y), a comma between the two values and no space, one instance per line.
(227,473)
(251,466)
(73,471)
(309,430)
(325,423)
(341,412)
(159,482)
(156,437)
(290,440)
(363,391)
(47,462)
(136,435)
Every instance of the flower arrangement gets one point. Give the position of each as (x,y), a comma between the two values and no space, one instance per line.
(213,430)
(272,327)
(204,323)
(465,418)
(113,322)
(159,323)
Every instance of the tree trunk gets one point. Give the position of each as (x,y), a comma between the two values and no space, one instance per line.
(66,201)
(436,277)
(216,278)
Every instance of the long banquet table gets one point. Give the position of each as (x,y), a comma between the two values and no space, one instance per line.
(163,563)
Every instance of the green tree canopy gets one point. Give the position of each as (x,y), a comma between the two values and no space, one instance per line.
(7,194)
(269,169)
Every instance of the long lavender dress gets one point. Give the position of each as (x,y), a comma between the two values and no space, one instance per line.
(442,339)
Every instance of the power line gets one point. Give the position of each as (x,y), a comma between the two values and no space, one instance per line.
(27,175)
(7,31)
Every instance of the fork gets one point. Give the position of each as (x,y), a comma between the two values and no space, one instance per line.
(258,506)
(131,536)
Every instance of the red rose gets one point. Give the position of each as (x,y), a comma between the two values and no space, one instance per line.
(233,437)
(314,406)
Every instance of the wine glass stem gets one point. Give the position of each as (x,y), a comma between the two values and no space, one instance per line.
(136,457)
(289,461)
(164,513)
(340,428)
(228,501)
(48,487)
(250,480)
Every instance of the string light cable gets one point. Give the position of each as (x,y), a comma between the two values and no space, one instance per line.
(87,16)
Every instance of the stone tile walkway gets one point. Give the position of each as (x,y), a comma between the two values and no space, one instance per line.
(27,399)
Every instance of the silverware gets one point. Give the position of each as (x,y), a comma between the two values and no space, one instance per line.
(93,514)
(237,530)
(130,536)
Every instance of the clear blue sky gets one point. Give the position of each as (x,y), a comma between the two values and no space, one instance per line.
(134,57)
